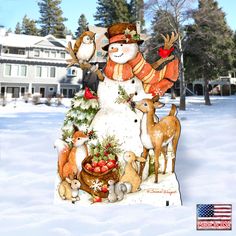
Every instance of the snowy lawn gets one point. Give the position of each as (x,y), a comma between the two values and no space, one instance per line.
(205,167)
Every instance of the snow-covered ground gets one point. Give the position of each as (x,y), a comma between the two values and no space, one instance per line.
(205,167)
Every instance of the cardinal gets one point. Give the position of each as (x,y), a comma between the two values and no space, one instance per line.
(88,94)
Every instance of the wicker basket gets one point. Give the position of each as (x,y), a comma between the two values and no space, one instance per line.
(87,178)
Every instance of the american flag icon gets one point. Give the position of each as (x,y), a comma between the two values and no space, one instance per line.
(214,216)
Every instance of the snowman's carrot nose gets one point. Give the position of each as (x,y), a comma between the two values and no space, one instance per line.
(113,50)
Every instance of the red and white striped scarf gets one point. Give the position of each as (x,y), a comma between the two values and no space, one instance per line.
(155,82)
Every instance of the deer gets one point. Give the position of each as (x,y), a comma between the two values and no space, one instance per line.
(157,134)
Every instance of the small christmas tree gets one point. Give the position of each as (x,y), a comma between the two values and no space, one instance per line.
(81,114)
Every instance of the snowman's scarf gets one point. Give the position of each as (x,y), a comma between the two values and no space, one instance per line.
(153,81)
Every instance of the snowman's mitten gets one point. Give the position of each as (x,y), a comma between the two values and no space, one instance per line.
(161,87)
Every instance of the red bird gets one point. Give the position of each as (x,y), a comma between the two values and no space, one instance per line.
(88,94)
(165,52)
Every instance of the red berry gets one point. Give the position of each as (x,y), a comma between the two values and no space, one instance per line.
(94,164)
(104,169)
(101,163)
(97,169)
(104,189)
(106,154)
(88,167)
(110,165)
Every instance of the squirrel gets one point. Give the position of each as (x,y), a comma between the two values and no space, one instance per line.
(70,159)
(116,191)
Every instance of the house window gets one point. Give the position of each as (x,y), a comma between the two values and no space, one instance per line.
(47,53)
(23,71)
(71,72)
(52,72)
(8,69)
(39,71)
(15,70)
(36,53)
(21,52)
(54,54)
(6,50)
(63,55)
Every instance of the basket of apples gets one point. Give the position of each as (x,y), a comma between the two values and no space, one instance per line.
(101,166)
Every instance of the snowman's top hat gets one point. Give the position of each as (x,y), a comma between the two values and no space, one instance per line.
(122,33)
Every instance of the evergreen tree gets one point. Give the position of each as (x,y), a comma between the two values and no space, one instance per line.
(210,43)
(18,29)
(80,114)
(234,50)
(51,20)
(83,25)
(159,26)
(111,11)
(29,26)
(136,11)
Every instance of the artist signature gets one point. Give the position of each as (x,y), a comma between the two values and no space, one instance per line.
(152,190)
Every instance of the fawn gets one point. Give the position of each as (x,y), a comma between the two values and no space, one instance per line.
(157,135)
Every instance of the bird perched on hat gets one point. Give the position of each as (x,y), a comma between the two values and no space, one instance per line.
(85,46)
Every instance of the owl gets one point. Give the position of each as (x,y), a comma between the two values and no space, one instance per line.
(85,46)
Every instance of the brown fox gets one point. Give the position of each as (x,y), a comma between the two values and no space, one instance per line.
(70,159)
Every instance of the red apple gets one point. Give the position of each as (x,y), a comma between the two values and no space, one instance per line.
(112,160)
(104,169)
(104,189)
(97,199)
(88,167)
(97,169)
(111,164)
(101,163)
(94,164)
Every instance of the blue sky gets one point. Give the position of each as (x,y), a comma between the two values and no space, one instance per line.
(12,11)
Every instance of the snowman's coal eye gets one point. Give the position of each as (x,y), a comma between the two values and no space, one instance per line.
(78,138)
(112,47)
(121,45)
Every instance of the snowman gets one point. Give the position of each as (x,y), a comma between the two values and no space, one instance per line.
(127,69)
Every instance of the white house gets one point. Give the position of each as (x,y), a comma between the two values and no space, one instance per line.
(33,64)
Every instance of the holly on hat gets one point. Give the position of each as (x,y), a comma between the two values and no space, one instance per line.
(122,33)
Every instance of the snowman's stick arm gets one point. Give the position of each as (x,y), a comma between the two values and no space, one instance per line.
(168,44)
(156,64)
(75,61)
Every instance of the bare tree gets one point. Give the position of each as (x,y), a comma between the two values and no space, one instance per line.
(178,16)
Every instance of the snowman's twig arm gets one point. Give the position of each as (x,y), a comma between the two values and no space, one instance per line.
(74,61)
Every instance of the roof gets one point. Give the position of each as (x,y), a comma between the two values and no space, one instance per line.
(22,40)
